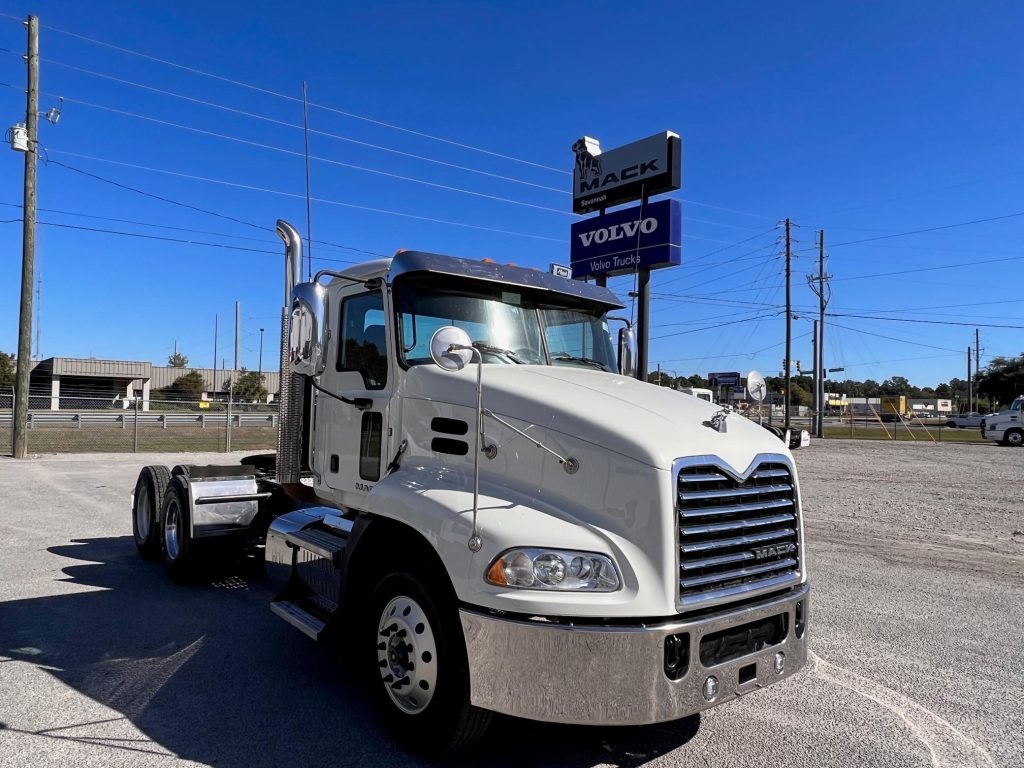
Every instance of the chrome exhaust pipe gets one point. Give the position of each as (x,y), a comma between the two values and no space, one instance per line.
(289,421)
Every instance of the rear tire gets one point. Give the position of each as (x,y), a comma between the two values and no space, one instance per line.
(1013,438)
(176,543)
(411,628)
(149,495)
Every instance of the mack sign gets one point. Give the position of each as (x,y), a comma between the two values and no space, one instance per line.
(645,236)
(602,179)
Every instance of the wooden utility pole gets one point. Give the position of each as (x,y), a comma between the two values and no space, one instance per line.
(789,319)
(28,244)
(977,368)
(970,384)
(819,363)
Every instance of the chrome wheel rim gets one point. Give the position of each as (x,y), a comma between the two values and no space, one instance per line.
(1014,438)
(172,525)
(407,655)
(142,516)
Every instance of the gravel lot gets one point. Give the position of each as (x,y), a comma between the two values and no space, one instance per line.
(917,632)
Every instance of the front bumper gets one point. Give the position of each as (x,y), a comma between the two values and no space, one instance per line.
(614,675)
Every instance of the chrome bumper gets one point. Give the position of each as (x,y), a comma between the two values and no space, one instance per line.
(611,675)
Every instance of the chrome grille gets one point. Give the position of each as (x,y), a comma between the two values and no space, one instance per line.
(736,538)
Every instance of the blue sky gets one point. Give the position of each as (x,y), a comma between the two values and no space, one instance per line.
(863,119)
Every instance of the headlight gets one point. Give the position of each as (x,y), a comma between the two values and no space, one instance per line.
(561,569)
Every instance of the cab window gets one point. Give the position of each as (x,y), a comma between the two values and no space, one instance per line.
(362,346)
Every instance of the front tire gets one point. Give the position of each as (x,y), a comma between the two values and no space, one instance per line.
(149,493)
(418,670)
(1013,438)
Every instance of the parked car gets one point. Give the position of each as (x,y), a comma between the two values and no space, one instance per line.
(965,420)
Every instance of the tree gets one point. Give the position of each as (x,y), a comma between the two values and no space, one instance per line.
(187,387)
(177,360)
(249,387)
(7,370)
(1003,379)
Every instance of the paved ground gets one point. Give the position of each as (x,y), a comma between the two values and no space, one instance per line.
(917,637)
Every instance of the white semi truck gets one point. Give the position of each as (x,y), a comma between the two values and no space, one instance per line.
(1006,427)
(489,514)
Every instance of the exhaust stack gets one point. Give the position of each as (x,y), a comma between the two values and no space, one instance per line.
(289,421)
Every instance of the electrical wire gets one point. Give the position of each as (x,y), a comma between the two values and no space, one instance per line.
(296,153)
(709,327)
(314,131)
(892,338)
(928,229)
(936,268)
(930,322)
(325,201)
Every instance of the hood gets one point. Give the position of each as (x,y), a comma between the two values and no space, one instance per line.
(651,424)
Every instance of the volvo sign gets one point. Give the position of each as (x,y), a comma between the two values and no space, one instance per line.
(645,236)
(642,169)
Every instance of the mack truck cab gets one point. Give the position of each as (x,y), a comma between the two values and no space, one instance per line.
(479,503)
(1006,427)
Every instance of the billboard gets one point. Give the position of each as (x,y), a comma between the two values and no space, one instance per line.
(645,236)
(642,169)
(727,379)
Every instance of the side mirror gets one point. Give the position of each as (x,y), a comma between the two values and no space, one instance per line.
(307,334)
(627,351)
(441,351)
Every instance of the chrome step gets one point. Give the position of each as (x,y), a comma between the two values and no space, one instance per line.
(299,618)
(320,543)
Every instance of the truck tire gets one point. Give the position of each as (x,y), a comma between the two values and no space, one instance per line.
(149,494)
(417,667)
(951,424)
(176,543)
(1013,437)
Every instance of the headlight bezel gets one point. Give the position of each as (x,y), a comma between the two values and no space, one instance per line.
(558,570)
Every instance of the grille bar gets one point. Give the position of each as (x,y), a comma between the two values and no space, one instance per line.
(780,565)
(725,493)
(733,509)
(738,541)
(736,537)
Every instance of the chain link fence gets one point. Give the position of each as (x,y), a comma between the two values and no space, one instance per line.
(87,424)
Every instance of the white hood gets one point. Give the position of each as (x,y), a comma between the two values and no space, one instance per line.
(651,424)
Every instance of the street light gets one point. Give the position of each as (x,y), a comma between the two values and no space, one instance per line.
(260,370)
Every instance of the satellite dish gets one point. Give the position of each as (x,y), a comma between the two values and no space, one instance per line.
(756,386)
(441,351)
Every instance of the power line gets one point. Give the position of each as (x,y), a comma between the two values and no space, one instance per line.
(189,206)
(930,322)
(893,338)
(294,153)
(285,123)
(182,229)
(929,229)
(325,201)
(711,327)
(936,268)
(288,97)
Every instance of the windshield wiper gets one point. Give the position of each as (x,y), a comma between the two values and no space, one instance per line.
(578,359)
(483,346)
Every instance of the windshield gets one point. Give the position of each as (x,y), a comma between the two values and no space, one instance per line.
(1017,405)
(508,324)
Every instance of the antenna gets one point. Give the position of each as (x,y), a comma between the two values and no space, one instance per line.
(309,223)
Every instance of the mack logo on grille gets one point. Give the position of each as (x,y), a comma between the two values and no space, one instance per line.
(775,550)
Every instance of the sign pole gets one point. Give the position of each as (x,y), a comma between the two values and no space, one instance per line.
(643,321)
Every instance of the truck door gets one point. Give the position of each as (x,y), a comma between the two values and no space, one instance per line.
(351,441)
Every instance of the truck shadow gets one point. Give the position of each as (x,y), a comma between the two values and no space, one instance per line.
(209,674)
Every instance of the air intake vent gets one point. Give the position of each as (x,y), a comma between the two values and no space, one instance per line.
(736,538)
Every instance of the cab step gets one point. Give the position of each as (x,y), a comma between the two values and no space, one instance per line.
(304,621)
(320,543)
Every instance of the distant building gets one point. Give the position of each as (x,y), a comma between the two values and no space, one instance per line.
(69,382)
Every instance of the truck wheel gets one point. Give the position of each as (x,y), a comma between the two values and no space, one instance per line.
(1013,437)
(419,671)
(149,492)
(176,543)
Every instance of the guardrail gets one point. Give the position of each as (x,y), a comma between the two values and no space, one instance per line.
(128,419)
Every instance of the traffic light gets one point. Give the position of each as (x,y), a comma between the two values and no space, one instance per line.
(798,367)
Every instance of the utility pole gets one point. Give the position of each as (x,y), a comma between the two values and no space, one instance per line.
(970,387)
(234,373)
(260,369)
(789,319)
(819,347)
(28,244)
(213,384)
(39,320)
(977,369)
